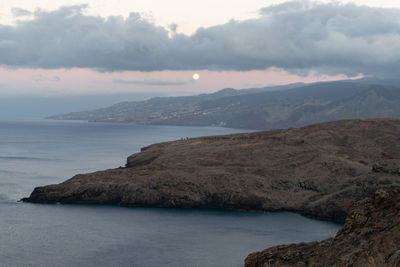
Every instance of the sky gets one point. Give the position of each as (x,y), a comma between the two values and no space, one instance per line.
(73,47)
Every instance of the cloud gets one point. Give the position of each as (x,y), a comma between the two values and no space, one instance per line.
(42,78)
(298,36)
(20,12)
(156,82)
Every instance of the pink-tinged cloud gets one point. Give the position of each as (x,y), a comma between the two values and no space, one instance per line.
(83,81)
(298,36)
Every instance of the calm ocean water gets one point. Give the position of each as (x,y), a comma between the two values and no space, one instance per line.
(34,153)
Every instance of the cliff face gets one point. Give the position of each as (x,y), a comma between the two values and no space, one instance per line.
(370,237)
(319,170)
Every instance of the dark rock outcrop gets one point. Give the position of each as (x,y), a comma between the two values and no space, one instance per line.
(318,170)
(370,237)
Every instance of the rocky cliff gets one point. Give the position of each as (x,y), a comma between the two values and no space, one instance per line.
(318,170)
(370,237)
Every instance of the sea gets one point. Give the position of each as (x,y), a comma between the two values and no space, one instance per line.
(41,152)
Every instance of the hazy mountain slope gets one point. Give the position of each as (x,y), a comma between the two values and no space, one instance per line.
(257,108)
(159,108)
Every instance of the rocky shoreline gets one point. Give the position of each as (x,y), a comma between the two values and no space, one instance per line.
(318,171)
(370,237)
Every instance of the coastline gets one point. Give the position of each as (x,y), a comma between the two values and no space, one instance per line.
(319,170)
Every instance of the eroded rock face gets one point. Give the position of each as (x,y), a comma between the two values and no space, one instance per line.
(319,170)
(370,237)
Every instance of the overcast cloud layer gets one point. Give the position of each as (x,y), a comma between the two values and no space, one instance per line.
(297,36)
(155,82)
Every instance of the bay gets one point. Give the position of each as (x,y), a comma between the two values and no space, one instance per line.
(41,152)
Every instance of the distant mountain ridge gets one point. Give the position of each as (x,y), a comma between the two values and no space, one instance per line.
(259,108)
